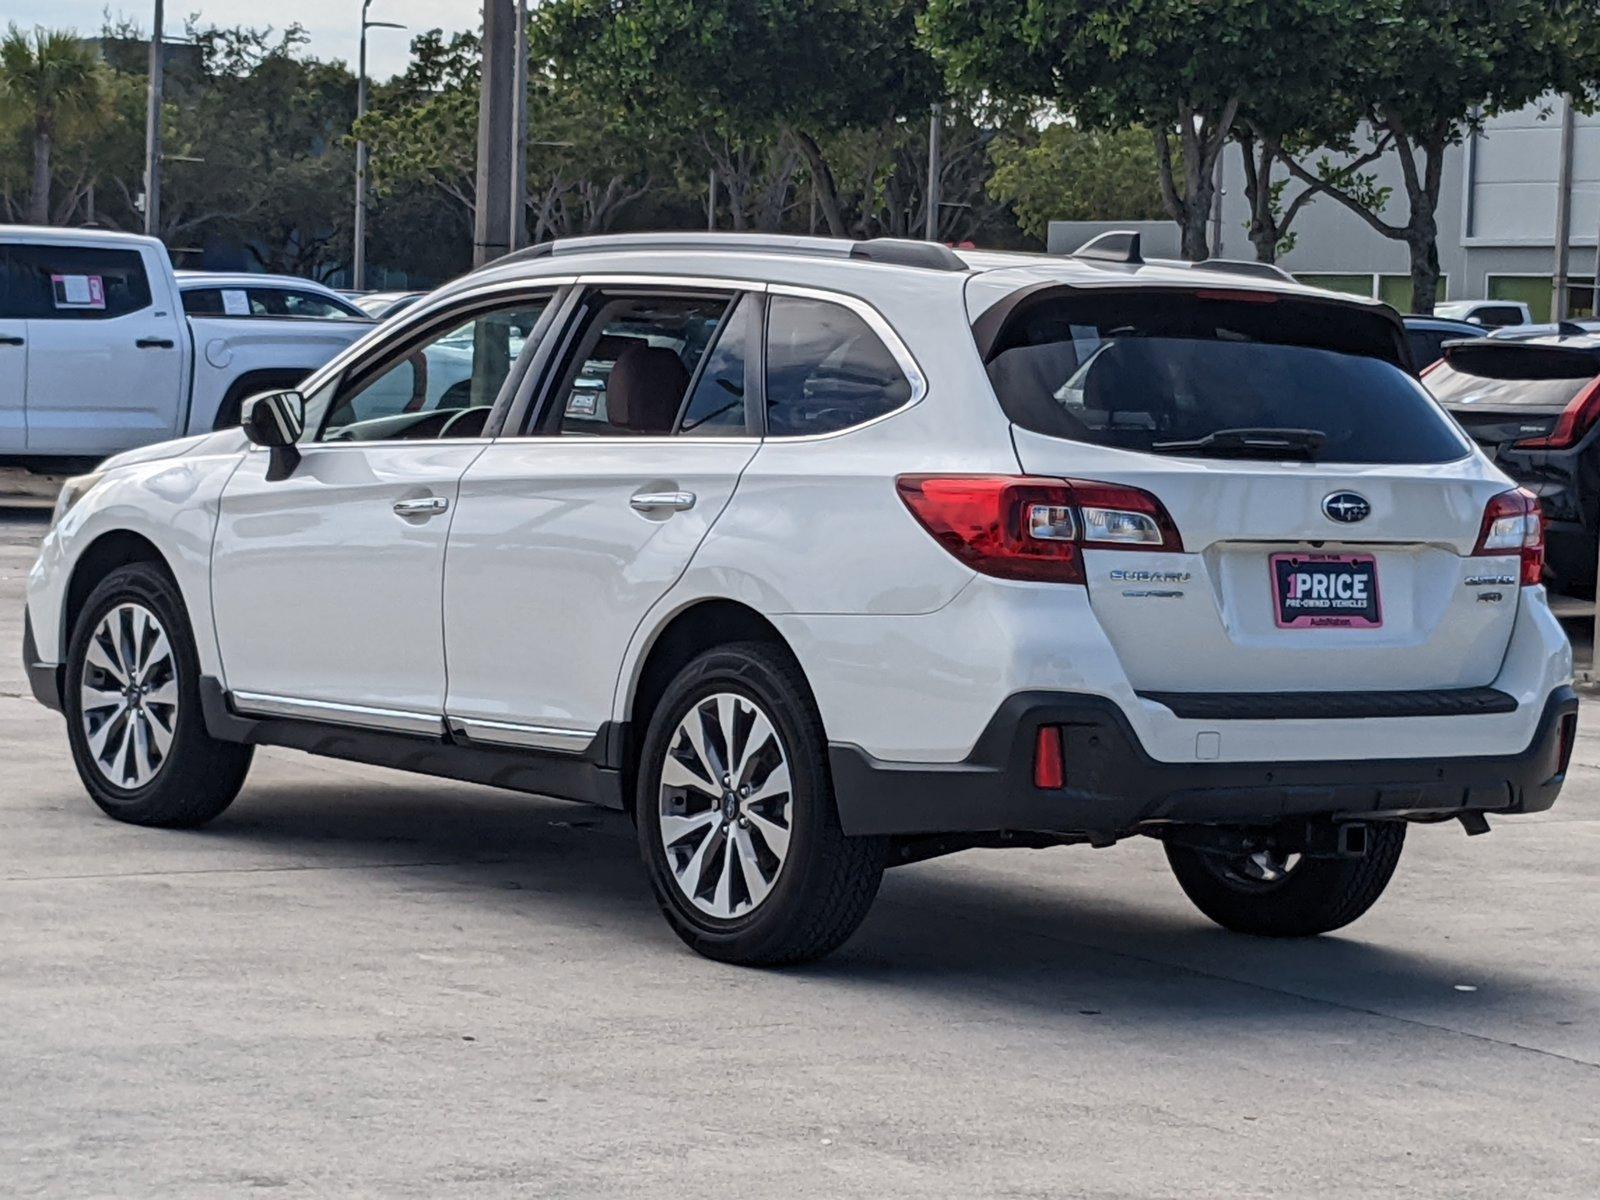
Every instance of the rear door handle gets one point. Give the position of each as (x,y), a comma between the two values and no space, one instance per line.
(10,339)
(653,501)
(422,506)
(155,343)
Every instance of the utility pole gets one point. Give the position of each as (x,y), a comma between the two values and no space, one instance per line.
(1558,297)
(711,200)
(491,235)
(931,232)
(519,149)
(152,133)
(358,270)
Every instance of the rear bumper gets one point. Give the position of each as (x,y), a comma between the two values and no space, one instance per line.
(43,678)
(1116,788)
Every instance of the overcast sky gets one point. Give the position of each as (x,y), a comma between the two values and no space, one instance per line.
(333,25)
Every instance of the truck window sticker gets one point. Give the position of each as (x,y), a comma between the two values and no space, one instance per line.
(78,291)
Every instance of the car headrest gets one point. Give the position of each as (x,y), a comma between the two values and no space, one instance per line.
(645,389)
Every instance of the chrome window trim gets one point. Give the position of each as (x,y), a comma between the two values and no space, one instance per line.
(420,312)
(533,737)
(358,715)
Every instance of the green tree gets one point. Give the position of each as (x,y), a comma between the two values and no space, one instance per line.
(45,79)
(1068,173)
(1429,71)
(748,71)
(1181,69)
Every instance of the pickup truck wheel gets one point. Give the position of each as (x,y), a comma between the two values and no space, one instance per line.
(132,703)
(736,817)
(1288,896)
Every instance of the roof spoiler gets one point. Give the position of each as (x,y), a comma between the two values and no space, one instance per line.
(1122,246)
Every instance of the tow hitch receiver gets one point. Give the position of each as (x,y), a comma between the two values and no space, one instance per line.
(1314,839)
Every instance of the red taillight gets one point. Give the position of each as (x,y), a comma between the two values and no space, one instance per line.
(1023,527)
(1514,524)
(1576,419)
(1049,763)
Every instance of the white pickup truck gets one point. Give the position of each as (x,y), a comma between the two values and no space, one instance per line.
(103,347)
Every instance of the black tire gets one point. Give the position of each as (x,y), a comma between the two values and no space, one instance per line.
(199,775)
(1316,896)
(827,881)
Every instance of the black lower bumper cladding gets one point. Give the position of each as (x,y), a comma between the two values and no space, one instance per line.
(43,679)
(1113,787)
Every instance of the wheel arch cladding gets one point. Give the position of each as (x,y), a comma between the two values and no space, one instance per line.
(692,631)
(117,548)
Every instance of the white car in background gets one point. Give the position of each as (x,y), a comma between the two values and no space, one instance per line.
(1492,314)
(818,557)
(98,353)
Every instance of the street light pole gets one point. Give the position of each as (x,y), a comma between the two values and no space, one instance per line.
(152,133)
(935,168)
(358,270)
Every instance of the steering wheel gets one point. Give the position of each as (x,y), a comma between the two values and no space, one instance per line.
(464,417)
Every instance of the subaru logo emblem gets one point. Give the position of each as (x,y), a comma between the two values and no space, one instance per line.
(1346,507)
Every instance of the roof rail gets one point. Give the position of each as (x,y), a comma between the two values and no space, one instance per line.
(1119,245)
(902,252)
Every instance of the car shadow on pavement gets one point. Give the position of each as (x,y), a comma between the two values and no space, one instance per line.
(946,932)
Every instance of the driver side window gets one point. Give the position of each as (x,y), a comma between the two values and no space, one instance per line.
(445,386)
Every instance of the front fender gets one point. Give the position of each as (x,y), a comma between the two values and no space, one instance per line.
(172,503)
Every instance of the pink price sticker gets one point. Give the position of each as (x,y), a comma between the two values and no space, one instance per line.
(78,291)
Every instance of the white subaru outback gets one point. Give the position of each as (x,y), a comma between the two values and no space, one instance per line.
(817,557)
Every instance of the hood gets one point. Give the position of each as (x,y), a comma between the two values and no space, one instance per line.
(223,441)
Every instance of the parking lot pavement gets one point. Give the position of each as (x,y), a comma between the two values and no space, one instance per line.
(360,983)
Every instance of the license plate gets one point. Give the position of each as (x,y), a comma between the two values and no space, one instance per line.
(1325,591)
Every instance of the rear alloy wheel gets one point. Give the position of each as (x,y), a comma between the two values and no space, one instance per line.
(1275,894)
(737,823)
(138,737)
(725,805)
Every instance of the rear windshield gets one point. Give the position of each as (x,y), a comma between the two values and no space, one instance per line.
(1143,370)
(1502,377)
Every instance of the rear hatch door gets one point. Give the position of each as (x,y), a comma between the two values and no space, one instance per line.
(1328,508)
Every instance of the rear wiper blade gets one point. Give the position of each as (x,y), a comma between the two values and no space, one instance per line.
(1250,443)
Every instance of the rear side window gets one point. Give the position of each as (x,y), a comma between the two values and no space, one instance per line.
(283,302)
(203,302)
(826,369)
(1511,376)
(1159,372)
(78,283)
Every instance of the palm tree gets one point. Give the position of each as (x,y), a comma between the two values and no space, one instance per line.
(42,78)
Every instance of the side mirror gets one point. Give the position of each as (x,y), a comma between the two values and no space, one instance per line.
(276,421)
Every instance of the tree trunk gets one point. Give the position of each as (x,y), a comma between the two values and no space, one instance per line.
(39,201)
(1422,240)
(1264,232)
(827,187)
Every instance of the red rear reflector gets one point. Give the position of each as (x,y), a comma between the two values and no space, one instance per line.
(1569,734)
(1513,523)
(1024,527)
(1576,419)
(1049,766)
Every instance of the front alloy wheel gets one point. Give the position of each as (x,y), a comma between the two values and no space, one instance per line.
(128,696)
(725,805)
(134,718)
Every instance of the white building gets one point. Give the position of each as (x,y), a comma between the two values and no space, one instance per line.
(1497,220)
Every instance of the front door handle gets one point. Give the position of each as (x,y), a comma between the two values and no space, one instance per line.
(654,501)
(155,343)
(422,506)
(10,339)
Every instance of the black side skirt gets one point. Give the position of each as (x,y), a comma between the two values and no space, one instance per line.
(591,777)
